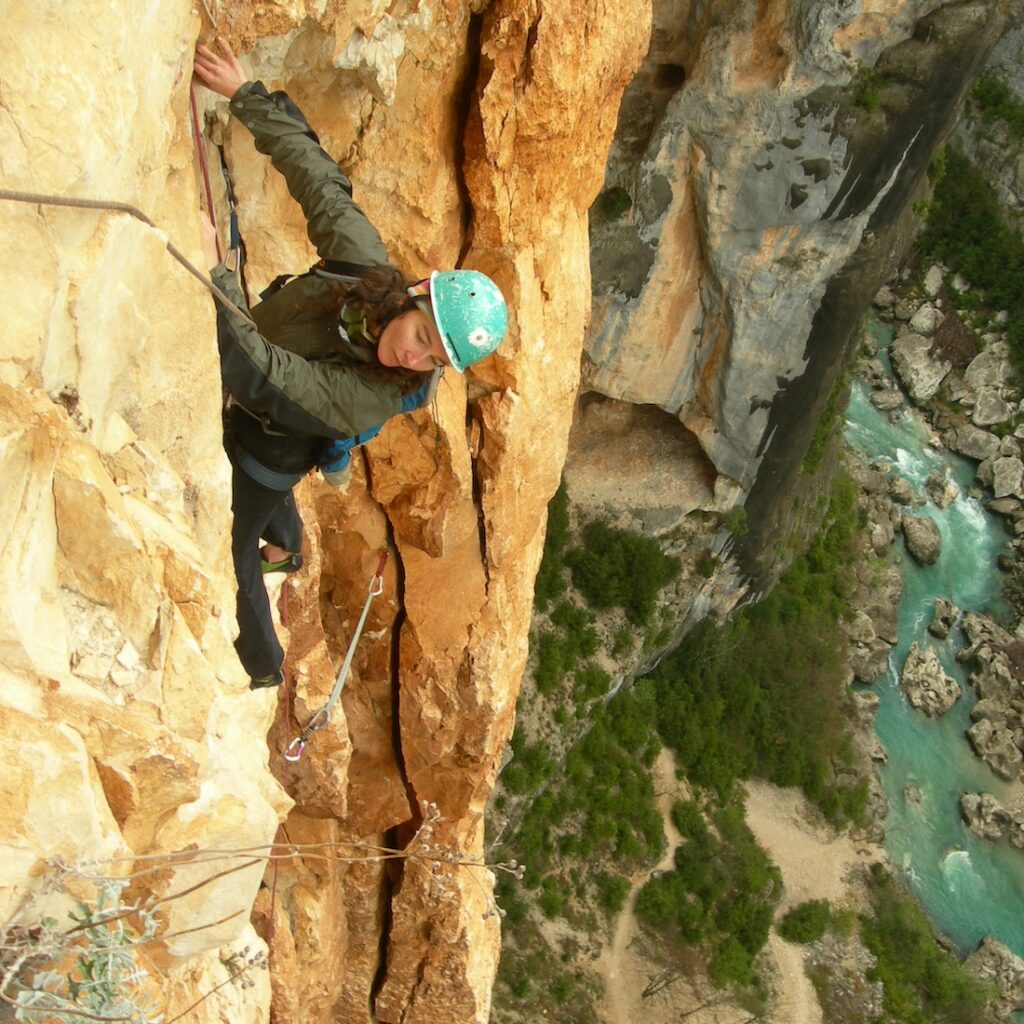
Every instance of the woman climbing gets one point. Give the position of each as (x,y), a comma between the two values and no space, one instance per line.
(338,351)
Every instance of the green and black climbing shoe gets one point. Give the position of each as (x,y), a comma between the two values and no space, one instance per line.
(293,563)
(264,682)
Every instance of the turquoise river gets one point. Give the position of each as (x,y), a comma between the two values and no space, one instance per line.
(970,887)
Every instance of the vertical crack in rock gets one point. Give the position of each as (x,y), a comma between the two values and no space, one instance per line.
(463,112)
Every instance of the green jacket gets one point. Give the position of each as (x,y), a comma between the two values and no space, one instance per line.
(299,372)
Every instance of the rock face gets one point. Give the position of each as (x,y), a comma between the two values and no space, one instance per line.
(720,237)
(764,207)
(122,697)
(926,684)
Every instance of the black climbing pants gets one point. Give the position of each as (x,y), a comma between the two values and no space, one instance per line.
(259,512)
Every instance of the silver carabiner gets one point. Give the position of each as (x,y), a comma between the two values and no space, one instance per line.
(298,745)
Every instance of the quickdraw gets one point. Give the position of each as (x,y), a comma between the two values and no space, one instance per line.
(297,746)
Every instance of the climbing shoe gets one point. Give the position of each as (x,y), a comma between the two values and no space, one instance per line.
(293,563)
(265,682)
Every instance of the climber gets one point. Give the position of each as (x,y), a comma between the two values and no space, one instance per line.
(340,349)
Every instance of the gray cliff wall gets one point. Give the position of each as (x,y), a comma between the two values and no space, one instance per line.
(756,196)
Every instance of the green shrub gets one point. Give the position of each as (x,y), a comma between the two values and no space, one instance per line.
(622,642)
(550,662)
(736,522)
(686,817)
(529,768)
(552,898)
(620,569)
(996,101)
(610,205)
(612,891)
(806,922)
(579,637)
(591,682)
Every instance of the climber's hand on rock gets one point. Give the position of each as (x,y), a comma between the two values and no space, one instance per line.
(219,72)
(208,234)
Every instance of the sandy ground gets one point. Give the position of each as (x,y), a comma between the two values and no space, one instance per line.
(816,863)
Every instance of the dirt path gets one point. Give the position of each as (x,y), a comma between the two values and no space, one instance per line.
(619,968)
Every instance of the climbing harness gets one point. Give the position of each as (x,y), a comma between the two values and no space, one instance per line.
(41,199)
(323,716)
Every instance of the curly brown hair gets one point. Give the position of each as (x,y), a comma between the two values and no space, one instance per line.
(380,294)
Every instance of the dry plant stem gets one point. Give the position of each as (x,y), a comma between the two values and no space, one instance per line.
(205,996)
(173,896)
(370,851)
(187,931)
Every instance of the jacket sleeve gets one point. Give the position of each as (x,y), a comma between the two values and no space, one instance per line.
(335,224)
(325,399)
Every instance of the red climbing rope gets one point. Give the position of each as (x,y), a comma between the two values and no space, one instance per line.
(197,137)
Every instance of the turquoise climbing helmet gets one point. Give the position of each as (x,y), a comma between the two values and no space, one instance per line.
(470,314)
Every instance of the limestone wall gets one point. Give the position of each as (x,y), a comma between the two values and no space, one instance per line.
(472,135)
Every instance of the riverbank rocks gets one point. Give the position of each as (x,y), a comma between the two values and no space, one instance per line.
(926,684)
(945,615)
(1007,476)
(869,655)
(984,815)
(927,319)
(921,534)
(994,743)
(996,657)
(933,280)
(841,968)
(920,373)
(972,442)
(990,408)
(993,964)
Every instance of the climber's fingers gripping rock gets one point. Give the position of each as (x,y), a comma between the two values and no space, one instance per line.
(219,72)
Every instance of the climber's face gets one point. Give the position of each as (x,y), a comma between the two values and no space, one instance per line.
(411,341)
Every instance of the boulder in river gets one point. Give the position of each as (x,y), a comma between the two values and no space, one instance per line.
(923,539)
(945,615)
(925,682)
(887,399)
(941,489)
(901,491)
